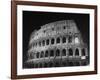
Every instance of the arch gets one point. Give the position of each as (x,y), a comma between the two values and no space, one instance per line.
(39,43)
(42,54)
(52,29)
(43,42)
(45,65)
(77,63)
(70,52)
(30,55)
(47,42)
(46,53)
(77,52)
(58,40)
(44,31)
(36,65)
(51,53)
(52,41)
(83,52)
(35,44)
(40,65)
(64,27)
(32,65)
(64,63)
(37,55)
(70,64)
(64,52)
(70,39)
(57,64)
(64,40)
(57,52)
(50,64)
(76,39)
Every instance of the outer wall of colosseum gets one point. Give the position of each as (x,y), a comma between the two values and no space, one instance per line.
(57,44)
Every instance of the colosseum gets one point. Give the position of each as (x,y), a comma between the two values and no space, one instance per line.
(57,44)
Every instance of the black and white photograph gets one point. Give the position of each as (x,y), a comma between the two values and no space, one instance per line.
(53,39)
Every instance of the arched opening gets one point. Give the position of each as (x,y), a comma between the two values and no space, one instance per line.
(64,52)
(39,43)
(70,39)
(42,54)
(40,65)
(37,54)
(77,52)
(51,53)
(52,29)
(44,31)
(77,63)
(32,65)
(64,63)
(57,64)
(57,52)
(70,63)
(76,40)
(47,41)
(50,64)
(52,41)
(70,52)
(43,42)
(36,65)
(58,40)
(31,56)
(64,27)
(83,52)
(64,39)
(46,53)
(45,65)
(35,44)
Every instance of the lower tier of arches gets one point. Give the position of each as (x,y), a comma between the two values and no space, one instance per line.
(57,63)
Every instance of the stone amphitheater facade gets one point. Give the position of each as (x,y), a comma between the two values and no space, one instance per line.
(57,44)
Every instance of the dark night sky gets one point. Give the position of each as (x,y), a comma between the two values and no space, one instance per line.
(33,20)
